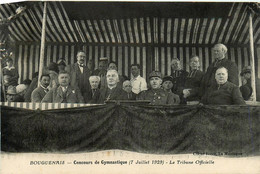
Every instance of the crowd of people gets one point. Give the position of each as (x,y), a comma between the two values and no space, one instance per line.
(80,83)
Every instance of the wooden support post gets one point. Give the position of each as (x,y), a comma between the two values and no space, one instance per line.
(2,80)
(252,56)
(42,42)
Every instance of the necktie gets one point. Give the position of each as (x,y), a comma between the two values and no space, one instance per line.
(93,92)
(46,90)
(64,96)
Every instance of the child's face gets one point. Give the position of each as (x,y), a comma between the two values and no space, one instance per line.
(167,85)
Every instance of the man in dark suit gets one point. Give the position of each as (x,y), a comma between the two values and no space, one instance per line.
(219,53)
(190,91)
(39,93)
(93,94)
(79,73)
(178,74)
(65,93)
(112,91)
(223,92)
(127,87)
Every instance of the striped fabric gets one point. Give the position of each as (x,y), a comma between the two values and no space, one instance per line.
(43,106)
(159,59)
(230,30)
(150,41)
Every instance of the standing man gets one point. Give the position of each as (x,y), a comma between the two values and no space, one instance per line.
(93,94)
(80,73)
(190,91)
(138,83)
(39,93)
(156,95)
(112,91)
(178,74)
(219,53)
(65,93)
(223,92)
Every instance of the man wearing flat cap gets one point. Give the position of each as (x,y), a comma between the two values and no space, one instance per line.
(156,95)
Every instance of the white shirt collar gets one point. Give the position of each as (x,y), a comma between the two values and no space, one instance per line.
(44,87)
(12,67)
(134,78)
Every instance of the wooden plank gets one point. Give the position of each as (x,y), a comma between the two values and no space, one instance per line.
(117,33)
(136,30)
(202,31)
(162,30)
(169,28)
(149,34)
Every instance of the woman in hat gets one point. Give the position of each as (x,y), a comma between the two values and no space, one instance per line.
(246,88)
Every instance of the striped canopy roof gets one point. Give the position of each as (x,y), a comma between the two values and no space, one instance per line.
(62,27)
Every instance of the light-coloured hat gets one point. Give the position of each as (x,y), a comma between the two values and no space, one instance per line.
(11,90)
(20,88)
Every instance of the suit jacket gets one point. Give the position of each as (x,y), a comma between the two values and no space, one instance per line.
(91,97)
(227,94)
(32,86)
(159,97)
(56,95)
(116,93)
(131,96)
(179,78)
(209,78)
(193,82)
(78,79)
(38,94)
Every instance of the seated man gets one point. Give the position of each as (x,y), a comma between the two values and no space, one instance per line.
(224,92)
(127,87)
(167,85)
(64,93)
(93,94)
(39,93)
(20,90)
(113,65)
(112,90)
(156,95)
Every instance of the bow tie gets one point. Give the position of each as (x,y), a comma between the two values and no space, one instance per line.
(81,65)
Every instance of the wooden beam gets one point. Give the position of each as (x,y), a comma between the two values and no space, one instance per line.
(42,42)
(252,56)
